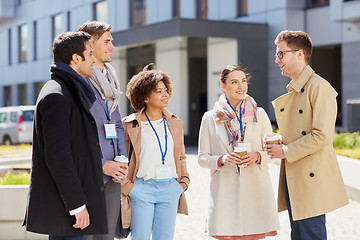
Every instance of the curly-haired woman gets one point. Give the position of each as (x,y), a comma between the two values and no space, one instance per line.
(157,175)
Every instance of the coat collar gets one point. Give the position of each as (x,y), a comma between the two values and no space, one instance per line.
(137,116)
(299,83)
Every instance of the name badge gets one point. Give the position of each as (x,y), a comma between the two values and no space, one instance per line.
(163,173)
(110,130)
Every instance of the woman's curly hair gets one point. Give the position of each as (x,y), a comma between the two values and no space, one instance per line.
(142,84)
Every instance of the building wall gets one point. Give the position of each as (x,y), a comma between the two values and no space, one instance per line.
(336,24)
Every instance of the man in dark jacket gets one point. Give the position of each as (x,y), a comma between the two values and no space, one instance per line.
(66,197)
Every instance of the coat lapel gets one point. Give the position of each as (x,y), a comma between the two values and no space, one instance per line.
(221,133)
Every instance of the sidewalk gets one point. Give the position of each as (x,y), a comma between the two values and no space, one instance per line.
(341,224)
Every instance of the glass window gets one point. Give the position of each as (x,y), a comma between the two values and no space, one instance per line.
(242,8)
(176,8)
(13,116)
(56,26)
(22,94)
(68,16)
(3,117)
(139,4)
(23,42)
(101,11)
(7,96)
(10,46)
(201,9)
(137,12)
(314,3)
(28,115)
(35,40)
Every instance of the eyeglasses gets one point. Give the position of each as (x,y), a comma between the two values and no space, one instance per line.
(280,54)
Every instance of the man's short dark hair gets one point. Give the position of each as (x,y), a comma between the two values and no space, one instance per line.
(95,28)
(69,43)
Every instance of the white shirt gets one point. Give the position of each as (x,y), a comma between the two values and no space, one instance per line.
(150,154)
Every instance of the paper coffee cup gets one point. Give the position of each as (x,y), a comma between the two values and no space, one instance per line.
(241,151)
(273,139)
(122,159)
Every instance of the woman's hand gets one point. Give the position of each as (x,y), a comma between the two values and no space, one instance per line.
(231,159)
(249,159)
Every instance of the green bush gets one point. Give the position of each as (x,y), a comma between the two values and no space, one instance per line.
(347,140)
(15,179)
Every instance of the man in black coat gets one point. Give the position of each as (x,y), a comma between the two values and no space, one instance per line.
(66,194)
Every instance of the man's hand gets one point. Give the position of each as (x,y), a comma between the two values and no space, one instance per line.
(118,171)
(82,219)
(275,151)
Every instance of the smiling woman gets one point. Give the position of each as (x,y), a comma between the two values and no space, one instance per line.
(235,123)
(157,176)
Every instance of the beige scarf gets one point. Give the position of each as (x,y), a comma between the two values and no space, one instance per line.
(107,85)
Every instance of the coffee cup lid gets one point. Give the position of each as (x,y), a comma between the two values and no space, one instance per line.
(122,159)
(240,149)
(273,138)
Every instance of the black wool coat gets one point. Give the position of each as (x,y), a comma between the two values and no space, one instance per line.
(66,162)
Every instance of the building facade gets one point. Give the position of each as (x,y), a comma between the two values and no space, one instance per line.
(192,40)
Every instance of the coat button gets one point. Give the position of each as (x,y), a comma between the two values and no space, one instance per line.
(96,143)
(300,111)
(281,110)
(100,166)
(303,133)
(302,90)
(102,188)
(311,174)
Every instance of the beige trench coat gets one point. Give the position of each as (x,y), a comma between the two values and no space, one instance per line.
(306,119)
(240,204)
(134,135)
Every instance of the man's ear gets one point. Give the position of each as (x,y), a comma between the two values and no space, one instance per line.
(75,58)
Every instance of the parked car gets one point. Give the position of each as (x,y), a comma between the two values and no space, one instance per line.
(16,124)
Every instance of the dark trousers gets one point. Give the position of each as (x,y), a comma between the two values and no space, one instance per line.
(51,237)
(306,229)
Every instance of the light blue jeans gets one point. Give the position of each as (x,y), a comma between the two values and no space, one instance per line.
(153,209)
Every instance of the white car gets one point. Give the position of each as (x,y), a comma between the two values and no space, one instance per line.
(16,124)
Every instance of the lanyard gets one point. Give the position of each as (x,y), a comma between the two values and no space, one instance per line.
(239,119)
(162,154)
(107,112)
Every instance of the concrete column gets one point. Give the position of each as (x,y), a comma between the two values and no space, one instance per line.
(221,52)
(119,63)
(2,94)
(171,56)
(14,95)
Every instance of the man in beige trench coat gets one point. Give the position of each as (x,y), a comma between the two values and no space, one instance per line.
(310,183)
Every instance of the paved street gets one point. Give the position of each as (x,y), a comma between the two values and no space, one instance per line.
(342,224)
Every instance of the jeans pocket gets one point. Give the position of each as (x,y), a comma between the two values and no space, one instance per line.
(181,190)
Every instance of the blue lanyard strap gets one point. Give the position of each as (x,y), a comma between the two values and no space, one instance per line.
(107,111)
(239,119)
(157,136)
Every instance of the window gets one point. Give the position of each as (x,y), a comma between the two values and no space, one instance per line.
(35,40)
(201,9)
(316,3)
(37,88)
(56,26)
(176,8)
(22,94)
(68,21)
(241,8)
(137,12)
(23,42)
(100,11)
(9,46)
(139,4)
(3,116)
(13,116)
(7,96)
